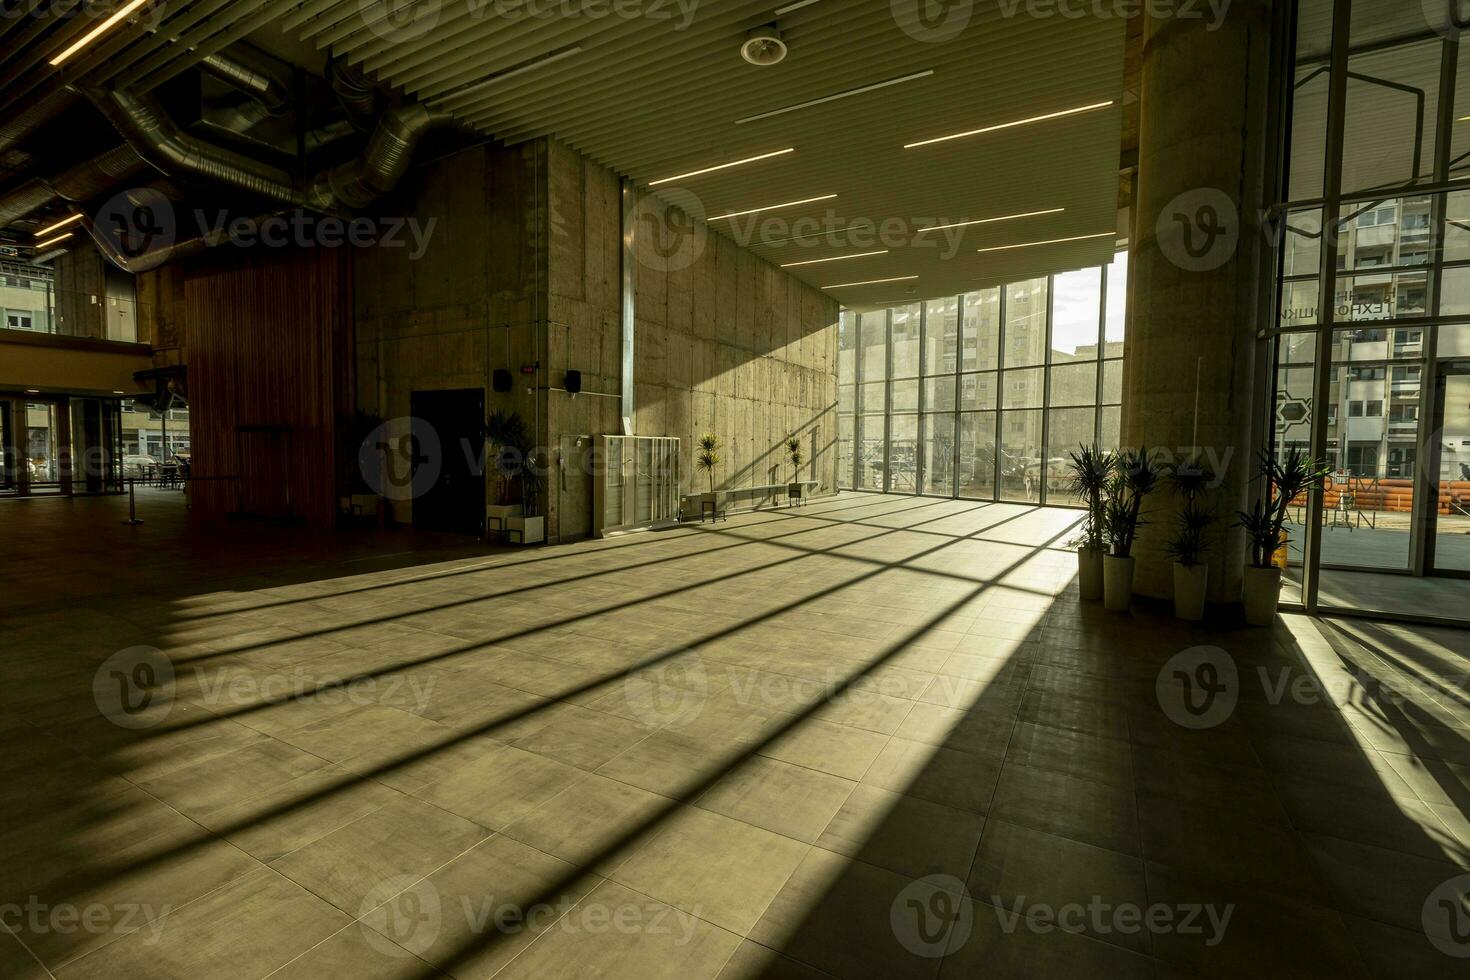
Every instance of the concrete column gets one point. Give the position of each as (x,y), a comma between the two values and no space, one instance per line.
(1194,268)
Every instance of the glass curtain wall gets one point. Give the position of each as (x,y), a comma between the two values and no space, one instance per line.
(983,396)
(1374,288)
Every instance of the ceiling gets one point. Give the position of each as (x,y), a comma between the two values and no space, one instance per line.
(653,98)
(658,95)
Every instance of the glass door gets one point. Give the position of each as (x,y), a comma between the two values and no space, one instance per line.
(1448,544)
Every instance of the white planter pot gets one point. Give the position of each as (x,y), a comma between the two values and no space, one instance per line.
(1117,583)
(1190,582)
(1262,592)
(497,518)
(525,530)
(1090,573)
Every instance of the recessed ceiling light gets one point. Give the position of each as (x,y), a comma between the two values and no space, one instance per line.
(839,95)
(794,6)
(1011,125)
(116,392)
(33,391)
(60,224)
(724,166)
(870,282)
(835,258)
(53,241)
(1053,241)
(772,207)
(97,31)
(866,225)
(986,221)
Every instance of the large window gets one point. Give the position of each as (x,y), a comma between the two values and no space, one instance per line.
(1374,284)
(983,396)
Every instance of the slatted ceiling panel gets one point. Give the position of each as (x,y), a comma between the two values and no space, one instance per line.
(650,101)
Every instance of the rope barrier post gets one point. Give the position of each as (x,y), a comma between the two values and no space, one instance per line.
(132,502)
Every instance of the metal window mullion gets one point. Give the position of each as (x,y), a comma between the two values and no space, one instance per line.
(1331,214)
(888,400)
(1044,465)
(959,358)
(1000,366)
(1425,518)
(920,469)
(1102,339)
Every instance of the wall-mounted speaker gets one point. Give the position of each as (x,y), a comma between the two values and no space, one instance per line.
(502,380)
(574,382)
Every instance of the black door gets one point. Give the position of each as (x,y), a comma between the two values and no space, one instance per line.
(449,460)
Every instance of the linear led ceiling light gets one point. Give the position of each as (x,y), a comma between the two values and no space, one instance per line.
(724,166)
(512,72)
(986,221)
(59,225)
(835,258)
(870,282)
(53,241)
(772,207)
(794,6)
(1011,125)
(839,95)
(98,31)
(1053,241)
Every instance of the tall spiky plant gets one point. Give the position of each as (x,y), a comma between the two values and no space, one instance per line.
(793,453)
(708,456)
(1191,480)
(1286,477)
(1134,477)
(1090,468)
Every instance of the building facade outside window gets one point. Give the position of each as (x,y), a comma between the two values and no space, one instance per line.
(983,396)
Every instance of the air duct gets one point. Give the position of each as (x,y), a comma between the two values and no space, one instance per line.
(17,126)
(357,183)
(175,153)
(356,92)
(79,183)
(254,80)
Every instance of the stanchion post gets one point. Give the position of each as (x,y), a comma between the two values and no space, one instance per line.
(132,503)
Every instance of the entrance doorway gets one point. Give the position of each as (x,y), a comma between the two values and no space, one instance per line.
(1447,543)
(449,449)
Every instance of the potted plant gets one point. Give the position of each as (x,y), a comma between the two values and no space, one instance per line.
(706,458)
(1286,478)
(529,526)
(505,438)
(793,453)
(1090,468)
(1133,478)
(1189,541)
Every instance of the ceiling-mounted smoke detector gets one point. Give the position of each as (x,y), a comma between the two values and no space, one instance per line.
(763,46)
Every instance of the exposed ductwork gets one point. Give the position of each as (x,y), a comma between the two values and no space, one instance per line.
(357,183)
(253,79)
(24,200)
(17,126)
(79,183)
(356,92)
(175,153)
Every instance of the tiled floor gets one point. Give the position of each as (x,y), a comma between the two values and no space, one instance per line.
(1441,599)
(876,737)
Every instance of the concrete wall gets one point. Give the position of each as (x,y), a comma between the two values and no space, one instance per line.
(470,303)
(725,343)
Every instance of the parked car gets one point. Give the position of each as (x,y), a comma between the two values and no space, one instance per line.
(135,465)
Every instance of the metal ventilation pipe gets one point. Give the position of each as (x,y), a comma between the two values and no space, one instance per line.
(28,198)
(356,92)
(79,183)
(253,79)
(357,183)
(160,141)
(19,125)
